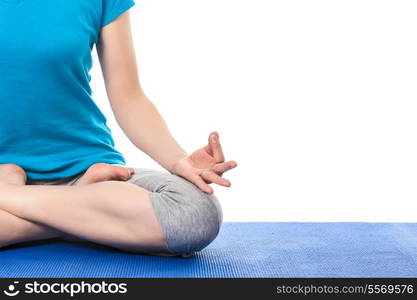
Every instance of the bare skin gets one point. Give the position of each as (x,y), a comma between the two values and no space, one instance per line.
(15,230)
(102,207)
(103,172)
(85,211)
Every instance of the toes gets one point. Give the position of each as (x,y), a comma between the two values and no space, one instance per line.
(105,171)
(123,172)
(119,172)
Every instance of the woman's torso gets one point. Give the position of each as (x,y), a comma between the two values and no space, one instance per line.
(49,123)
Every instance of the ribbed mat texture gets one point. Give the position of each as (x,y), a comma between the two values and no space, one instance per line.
(254,249)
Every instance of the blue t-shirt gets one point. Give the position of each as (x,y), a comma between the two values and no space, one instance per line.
(49,122)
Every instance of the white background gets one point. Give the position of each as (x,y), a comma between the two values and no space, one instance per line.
(315,100)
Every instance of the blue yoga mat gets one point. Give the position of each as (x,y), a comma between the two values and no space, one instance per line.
(260,249)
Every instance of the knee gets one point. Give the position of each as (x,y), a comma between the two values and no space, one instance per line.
(194,217)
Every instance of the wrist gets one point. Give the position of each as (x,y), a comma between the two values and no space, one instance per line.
(176,161)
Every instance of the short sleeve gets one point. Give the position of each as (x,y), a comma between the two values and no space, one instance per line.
(113,9)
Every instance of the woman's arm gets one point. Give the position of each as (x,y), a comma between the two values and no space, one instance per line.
(141,121)
(135,113)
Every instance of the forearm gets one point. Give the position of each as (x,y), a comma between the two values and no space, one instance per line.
(146,129)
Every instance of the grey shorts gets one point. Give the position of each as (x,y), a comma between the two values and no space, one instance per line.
(190,218)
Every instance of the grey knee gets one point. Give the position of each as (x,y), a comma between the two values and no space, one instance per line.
(193,217)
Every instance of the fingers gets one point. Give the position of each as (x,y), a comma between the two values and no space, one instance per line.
(205,177)
(216,148)
(213,177)
(223,167)
(199,182)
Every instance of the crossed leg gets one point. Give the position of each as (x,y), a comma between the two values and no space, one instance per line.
(114,213)
(14,230)
(125,215)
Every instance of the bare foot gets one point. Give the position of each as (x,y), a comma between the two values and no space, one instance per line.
(103,172)
(11,174)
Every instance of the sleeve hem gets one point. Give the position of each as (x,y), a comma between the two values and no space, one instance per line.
(117,12)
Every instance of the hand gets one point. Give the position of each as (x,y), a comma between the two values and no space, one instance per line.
(205,165)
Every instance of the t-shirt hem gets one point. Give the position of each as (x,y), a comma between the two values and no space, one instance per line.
(78,169)
(117,12)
